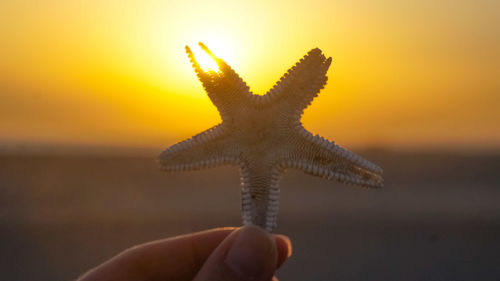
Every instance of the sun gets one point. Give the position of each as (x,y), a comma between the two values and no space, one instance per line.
(205,61)
(221,45)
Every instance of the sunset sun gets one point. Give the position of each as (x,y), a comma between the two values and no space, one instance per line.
(206,62)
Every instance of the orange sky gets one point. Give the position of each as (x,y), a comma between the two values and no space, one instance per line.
(421,74)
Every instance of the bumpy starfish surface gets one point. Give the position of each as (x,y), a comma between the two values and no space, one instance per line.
(264,136)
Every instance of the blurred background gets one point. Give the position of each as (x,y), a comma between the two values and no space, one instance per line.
(92,91)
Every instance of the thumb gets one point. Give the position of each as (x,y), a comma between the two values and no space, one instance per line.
(248,253)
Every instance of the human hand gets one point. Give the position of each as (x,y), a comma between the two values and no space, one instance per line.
(229,254)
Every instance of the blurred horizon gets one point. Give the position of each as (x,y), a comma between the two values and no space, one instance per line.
(405,75)
(111,150)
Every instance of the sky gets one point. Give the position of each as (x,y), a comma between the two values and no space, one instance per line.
(405,74)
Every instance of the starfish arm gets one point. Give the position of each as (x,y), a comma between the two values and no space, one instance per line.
(225,88)
(318,156)
(208,149)
(301,83)
(260,193)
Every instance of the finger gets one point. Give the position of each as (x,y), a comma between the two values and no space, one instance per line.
(250,253)
(177,258)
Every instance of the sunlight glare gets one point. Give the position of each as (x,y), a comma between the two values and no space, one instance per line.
(205,61)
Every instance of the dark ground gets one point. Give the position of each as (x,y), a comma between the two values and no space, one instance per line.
(437,218)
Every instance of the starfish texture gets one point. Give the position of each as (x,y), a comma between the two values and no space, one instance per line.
(263,135)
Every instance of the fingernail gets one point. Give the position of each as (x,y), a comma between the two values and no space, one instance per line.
(284,247)
(252,253)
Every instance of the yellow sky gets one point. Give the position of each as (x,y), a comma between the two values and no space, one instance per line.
(421,74)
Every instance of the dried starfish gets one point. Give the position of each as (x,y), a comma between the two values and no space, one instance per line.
(264,136)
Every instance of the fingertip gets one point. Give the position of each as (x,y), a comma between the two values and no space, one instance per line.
(284,241)
(251,253)
(284,247)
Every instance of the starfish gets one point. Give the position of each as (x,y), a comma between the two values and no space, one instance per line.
(264,136)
